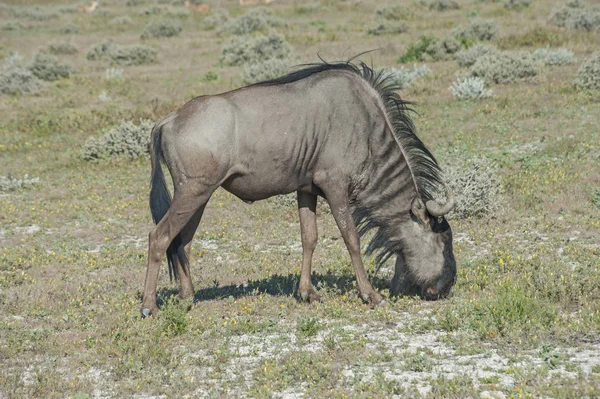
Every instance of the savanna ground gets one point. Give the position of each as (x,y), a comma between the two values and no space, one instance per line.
(524,317)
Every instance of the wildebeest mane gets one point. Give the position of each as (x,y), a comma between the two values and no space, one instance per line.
(426,173)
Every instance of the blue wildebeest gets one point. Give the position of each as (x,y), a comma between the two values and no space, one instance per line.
(334,130)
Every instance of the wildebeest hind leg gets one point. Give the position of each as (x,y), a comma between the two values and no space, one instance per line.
(186,203)
(183,270)
(307,206)
(338,202)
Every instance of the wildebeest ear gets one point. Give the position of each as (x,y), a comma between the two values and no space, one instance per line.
(419,210)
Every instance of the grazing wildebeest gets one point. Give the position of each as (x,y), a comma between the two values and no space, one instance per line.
(336,130)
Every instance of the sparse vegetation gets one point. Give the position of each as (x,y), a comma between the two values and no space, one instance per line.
(516,4)
(10,183)
(405,77)
(70,29)
(62,48)
(161,28)
(560,56)
(440,5)
(122,55)
(128,140)
(242,50)
(588,75)
(470,88)
(386,26)
(216,19)
(256,19)
(468,57)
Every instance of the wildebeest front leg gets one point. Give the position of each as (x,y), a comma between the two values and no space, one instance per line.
(183,208)
(338,202)
(307,206)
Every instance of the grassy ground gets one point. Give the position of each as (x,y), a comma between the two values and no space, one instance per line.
(524,320)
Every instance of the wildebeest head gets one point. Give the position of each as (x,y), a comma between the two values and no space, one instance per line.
(426,265)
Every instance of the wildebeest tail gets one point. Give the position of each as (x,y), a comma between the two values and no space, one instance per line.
(160,201)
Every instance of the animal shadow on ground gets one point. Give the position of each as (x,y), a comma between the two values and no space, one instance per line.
(277,285)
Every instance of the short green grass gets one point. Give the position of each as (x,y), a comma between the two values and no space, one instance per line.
(524,317)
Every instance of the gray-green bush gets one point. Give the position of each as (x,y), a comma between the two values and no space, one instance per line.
(470,88)
(17,80)
(62,48)
(265,70)
(404,77)
(256,19)
(123,55)
(48,67)
(122,20)
(35,13)
(440,5)
(247,49)
(217,18)
(128,140)
(588,75)
(393,13)
(516,4)
(560,56)
(574,16)
(504,67)
(69,29)
(477,188)
(161,28)
(388,26)
(468,57)
(11,183)
(477,30)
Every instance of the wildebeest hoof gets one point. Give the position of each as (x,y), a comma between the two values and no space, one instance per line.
(146,312)
(310,296)
(374,299)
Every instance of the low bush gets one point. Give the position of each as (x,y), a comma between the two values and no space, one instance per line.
(426,48)
(216,19)
(69,29)
(265,70)
(12,26)
(10,183)
(387,26)
(505,67)
(128,140)
(574,16)
(477,30)
(393,13)
(588,75)
(161,28)
(560,56)
(404,77)
(516,4)
(596,198)
(62,48)
(440,5)
(35,13)
(248,50)
(114,74)
(468,57)
(257,19)
(16,79)
(122,55)
(47,67)
(477,188)
(123,20)
(470,88)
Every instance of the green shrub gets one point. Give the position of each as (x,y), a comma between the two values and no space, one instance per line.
(470,88)
(257,19)
(468,57)
(426,48)
(10,183)
(265,70)
(47,67)
(122,55)
(504,67)
(588,75)
(388,26)
(309,326)
(216,19)
(516,4)
(174,318)
(15,79)
(560,56)
(248,50)
(596,198)
(403,77)
(440,5)
(128,140)
(62,48)
(161,28)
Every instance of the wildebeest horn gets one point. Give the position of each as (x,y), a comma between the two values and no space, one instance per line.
(436,209)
